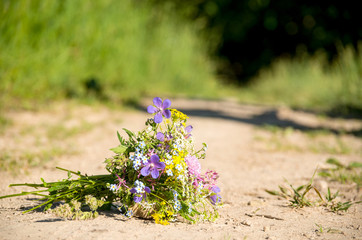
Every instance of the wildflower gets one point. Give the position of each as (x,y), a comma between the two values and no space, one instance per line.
(175,194)
(121,182)
(188,130)
(140,191)
(181,178)
(169,172)
(136,164)
(160,136)
(200,186)
(175,152)
(179,167)
(193,165)
(160,109)
(125,211)
(215,197)
(142,144)
(178,115)
(138,155)
(177,206)
(189,208)
(129,213)
(153,166)
(160,218)
(210,178)
(113,187)
(144,159)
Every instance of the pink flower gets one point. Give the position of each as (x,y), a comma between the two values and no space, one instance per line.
(193,165)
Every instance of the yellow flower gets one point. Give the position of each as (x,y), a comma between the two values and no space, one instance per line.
(160,218)
(178,115)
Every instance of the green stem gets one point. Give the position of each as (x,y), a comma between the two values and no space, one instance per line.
(38,206)
(160,198)
(24,193)
(76,173)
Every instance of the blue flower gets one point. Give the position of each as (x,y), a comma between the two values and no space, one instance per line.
(177,205)
(142,144)
(113,187)
(175,194)
(129,213)
(140,191)
(190,208)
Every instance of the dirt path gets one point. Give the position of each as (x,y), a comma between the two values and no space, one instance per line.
(249,156)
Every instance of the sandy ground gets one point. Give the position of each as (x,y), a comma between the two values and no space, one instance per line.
(249,158)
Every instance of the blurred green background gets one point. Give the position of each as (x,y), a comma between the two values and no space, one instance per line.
(296,53)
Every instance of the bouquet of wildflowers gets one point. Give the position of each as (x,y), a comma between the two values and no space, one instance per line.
(154,173)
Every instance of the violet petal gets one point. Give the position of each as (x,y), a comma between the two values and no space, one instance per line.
(158,118)
(188,128)
(147,190)
(158,102)
(160,136)
(155,159)
(215,198)
(215,189)
(133,190)
(151,109)
(160,165)
(155,173)
(145,171)
(137,199)
(166,113)
(166,104)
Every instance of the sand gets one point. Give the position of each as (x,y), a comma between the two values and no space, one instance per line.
(248,156)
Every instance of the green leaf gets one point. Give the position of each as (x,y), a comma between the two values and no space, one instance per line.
(272,192)
(324,174)
(119,150)
(335,162)
(355,165)
(119,137)
(57,187)
(129,133)
(319,194)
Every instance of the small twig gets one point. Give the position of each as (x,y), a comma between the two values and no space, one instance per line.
(265,216)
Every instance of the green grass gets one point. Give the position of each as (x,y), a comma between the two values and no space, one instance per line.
(105,49)
(343,173)
(310,82)
(322,229)
(299,197)
(119,51)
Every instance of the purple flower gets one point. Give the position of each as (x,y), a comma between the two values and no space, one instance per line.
(188,129)
(215,197)
(215,189)
(140,191)
(160,136)
(160,109)
(153,166)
